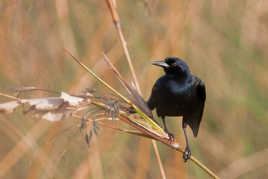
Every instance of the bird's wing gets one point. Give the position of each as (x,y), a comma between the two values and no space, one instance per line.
(194,118)
(154,96)
(201,90)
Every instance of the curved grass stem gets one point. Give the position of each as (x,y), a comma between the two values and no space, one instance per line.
(116,21)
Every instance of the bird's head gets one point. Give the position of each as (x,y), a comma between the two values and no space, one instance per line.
(173,66)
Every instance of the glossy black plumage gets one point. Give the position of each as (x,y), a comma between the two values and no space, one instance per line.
(178,93)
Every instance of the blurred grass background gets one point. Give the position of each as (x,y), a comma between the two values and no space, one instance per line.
(224,42)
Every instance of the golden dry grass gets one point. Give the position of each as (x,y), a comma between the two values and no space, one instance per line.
(224,42)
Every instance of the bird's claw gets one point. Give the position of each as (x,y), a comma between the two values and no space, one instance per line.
(186,154)
(170,136)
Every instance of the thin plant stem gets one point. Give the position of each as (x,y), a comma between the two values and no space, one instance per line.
(198,163)
(98,78)
(159,160)
(108,61)
(9,96)
(124,45)
(116,21)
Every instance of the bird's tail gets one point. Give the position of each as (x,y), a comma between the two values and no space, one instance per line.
(194,123)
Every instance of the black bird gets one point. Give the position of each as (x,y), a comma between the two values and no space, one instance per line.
(178,93)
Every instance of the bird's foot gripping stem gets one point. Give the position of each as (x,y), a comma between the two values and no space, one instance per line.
(170,136)
(186,154)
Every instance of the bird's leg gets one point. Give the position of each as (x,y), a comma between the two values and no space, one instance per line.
(187,152)
(170,135)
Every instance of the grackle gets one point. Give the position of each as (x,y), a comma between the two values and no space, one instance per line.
(178,93)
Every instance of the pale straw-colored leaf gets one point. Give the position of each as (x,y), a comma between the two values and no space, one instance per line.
(9,107)
(71,100)
(53,116)
(50,103)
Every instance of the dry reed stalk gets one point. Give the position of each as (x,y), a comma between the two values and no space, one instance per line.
(116,21)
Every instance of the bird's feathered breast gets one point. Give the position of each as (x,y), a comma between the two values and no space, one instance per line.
(169,96)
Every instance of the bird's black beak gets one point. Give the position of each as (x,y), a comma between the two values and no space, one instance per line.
(161,64)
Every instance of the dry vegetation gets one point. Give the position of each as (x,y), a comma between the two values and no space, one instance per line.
(224,42)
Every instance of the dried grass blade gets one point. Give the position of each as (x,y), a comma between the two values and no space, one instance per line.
(135,97)
(98,78)
(132,132)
